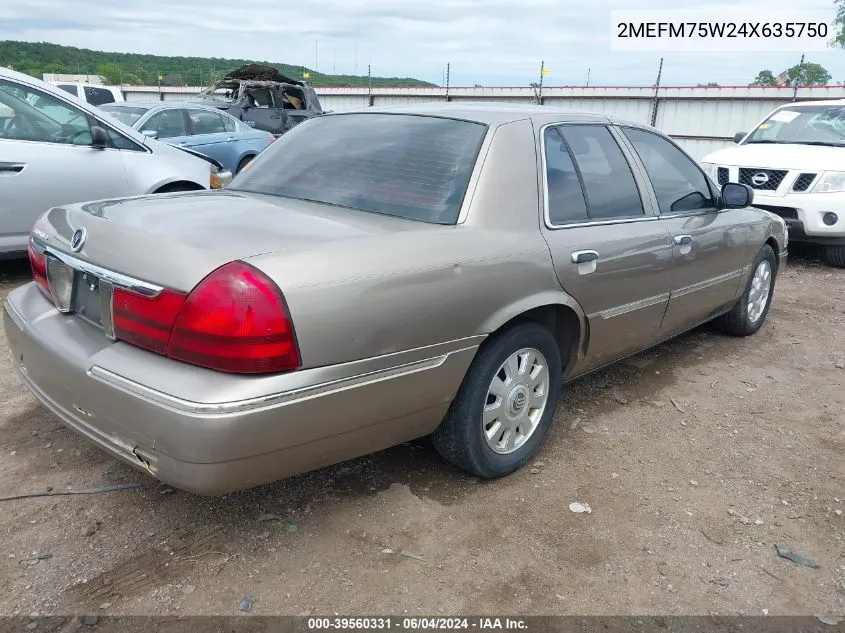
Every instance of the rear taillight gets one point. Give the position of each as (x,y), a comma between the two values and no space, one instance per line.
(38,264)
(145,321)
(235,320)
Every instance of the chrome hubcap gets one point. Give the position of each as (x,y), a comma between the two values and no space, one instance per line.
(761,285)
(516,400)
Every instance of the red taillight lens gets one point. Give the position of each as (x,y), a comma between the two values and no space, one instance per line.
(145,321)
(38,264)
(235,320)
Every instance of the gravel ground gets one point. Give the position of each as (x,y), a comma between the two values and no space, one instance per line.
(696,458)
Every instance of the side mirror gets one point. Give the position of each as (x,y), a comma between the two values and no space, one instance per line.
(736,196)
(150,133)
(245,105)
(739,136)
(99,137)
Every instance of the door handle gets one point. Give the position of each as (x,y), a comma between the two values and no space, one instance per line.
(581,257)
(14,168)
(683,240)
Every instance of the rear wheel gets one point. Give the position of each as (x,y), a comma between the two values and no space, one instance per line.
(835,256)
(748,315)
(506,403)
(246,161)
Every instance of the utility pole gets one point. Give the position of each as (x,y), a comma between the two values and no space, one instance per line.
(356,58)
(588,77)
(797,79)
(369,85)
(315,55)
(334,60)
(447,80)
(540,84)
(656,93)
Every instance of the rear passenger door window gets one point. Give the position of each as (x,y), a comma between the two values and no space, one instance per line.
(564,194)
(610,190)
(680,186)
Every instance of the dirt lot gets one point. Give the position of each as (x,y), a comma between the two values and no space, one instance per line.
(696,458)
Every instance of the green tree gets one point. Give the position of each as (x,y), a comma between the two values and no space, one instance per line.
(110,73)
(839,38)
(808,74)
(764,78)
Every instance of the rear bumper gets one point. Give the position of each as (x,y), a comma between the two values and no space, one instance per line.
(212,433)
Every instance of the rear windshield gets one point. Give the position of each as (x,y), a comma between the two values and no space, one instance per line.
(124,114)
(414,167)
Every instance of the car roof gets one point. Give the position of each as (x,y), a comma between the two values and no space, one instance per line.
(160,105)
(490,113)
(822,102)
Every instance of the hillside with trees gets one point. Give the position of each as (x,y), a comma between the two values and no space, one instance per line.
(37,58)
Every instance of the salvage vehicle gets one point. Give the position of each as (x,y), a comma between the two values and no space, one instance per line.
(56,149)
(379,276)
(794,159)
(201,128)
(263,98)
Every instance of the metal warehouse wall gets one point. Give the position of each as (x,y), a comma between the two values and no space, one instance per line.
(701,119)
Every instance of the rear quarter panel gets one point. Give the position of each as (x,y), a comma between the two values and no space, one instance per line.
(371,297)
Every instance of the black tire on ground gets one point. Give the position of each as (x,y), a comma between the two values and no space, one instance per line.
(246,161)
(835,256)
(460,437)
(737,321)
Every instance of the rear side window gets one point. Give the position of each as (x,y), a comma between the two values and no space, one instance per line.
(415,167)
(565,196)
(98,96)
(229,123)
(609,185)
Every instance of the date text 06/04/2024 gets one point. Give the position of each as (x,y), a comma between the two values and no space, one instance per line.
(416,623)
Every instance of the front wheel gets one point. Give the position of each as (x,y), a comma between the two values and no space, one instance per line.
(835,256)
(748,315)
(505,404)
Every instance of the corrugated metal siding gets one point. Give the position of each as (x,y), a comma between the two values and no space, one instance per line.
(700,119)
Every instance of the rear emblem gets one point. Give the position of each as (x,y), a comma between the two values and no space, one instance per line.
(760,178)
(78,240)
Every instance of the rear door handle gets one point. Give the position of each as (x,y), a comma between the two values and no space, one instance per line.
(683,240)
(581,257)
(14,168)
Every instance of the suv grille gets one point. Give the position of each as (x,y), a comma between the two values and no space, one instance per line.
(784,212)
(722,175)
(803,182)
(772,180)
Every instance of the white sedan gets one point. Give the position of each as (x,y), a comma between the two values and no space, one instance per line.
(56,149)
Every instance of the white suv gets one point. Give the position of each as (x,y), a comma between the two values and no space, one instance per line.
(795,162)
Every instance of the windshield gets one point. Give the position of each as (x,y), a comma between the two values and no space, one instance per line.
(126,115)
(225,92)
(815,125)
(414,167)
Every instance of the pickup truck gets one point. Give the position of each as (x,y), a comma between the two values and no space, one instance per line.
(263,98)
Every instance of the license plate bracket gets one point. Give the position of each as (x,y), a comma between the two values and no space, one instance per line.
(92,300)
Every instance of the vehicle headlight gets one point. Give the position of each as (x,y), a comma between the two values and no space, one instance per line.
(830,182)
(219,178)
(710,170)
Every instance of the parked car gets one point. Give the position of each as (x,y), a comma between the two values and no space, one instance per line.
(378,276)
(56,149)
(263,98)
(202,128)
(95,94)
(794,159)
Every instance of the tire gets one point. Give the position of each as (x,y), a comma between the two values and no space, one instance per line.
(835,256)
(461,437)
(244,162)
(739,322)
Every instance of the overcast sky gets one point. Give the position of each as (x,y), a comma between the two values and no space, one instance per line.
(490,42)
